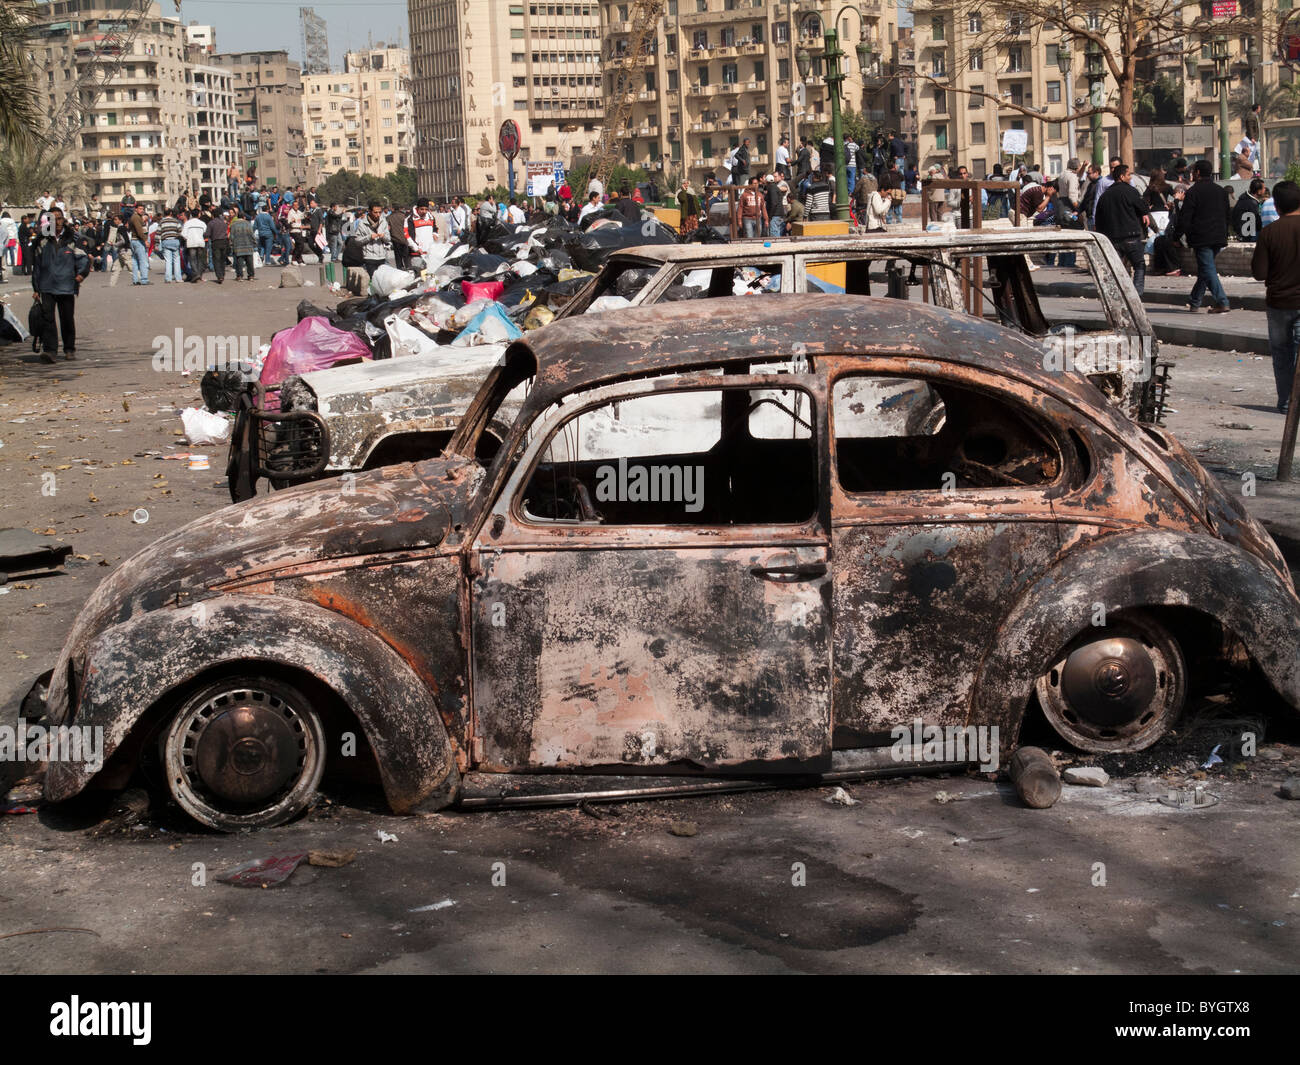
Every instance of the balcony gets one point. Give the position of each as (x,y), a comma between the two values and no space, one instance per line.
(647,96)
(645,130)
(1018,72)
(727,123)
(674,132)
(703,126)
(725,51)
(752,49)
(702,90)
(755,86)
(618,27)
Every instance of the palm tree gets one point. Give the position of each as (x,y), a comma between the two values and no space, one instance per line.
(20,113)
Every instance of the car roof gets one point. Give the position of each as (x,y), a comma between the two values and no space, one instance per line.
(998,241)
(591,349)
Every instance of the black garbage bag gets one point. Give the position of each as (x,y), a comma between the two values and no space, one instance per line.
(478,264)
(707,235)
(348,307)
(600,216)
(555,260)
(307,309)
(589,250)
(675,293)
(559,293)
(221,389)
(630,282)
(495,232)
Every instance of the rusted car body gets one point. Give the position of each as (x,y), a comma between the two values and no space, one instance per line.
(358,417)
(803,586)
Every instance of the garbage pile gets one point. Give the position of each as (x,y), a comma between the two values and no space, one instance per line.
(517,278)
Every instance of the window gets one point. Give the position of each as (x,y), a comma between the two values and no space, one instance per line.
(1053,92)
(1054,131)
(1015,59)
(780,32)
(704,75)
(977,133)
(941,138)
(1050,54)
(975,23)
(940,102)
(976,59)
(936,29)
(729,74)
(976,97)
(783,69)
(703,457)
(916,435)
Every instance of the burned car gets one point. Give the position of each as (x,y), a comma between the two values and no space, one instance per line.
(358,417)
(707,550)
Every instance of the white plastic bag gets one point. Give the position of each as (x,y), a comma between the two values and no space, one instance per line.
(607,303)
(203,427)
(406,339)
(388,279)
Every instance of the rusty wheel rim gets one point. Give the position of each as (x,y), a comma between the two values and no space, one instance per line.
(244,755)
(1117,690)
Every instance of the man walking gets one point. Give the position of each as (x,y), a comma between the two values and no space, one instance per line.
(139,229)
(1203,220)
(753,209)
(1276,262)
(783,158)
(1122,218)
(195,232)
(59,267)
(243,242)
(264,227)
(219,242)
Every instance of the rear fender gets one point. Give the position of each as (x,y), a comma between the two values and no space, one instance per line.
(131,667)
(1130,571)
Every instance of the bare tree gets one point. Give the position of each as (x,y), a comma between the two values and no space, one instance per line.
(1127,35)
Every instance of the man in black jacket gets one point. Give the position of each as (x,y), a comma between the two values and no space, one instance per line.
(740,172)
(58,268)
(1122,217)
(1203,220)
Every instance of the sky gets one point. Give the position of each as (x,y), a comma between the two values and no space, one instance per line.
(262,25)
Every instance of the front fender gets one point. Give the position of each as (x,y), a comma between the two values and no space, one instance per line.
(131,666)
(1129,571)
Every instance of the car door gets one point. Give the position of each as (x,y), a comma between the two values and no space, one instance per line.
(651,588)
(940,518)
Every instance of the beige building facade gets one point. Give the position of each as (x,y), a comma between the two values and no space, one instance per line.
(133,137)
(213,136)
(269,103)
(363,119)
(722,70)
(477,63)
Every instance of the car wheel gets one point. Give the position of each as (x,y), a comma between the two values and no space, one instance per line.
(244,752)
(1116,689)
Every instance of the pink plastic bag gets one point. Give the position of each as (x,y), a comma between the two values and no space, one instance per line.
(312,344)
(482,290)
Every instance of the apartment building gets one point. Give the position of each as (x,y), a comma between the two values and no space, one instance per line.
(133,137)
(476,65)
(1016,62)
(721,70)
(362,119)
(213,136)
(202,39)
(269,107)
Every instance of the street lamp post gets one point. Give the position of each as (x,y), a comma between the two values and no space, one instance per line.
(1096,98)
(1222,76)
(1065,63)
(835,75)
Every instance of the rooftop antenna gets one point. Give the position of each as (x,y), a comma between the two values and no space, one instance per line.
(315,42)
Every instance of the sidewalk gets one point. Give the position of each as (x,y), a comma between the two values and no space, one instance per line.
(1071,294)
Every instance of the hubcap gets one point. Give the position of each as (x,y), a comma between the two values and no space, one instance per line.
(1110,682)
(1117,692)
(244,747)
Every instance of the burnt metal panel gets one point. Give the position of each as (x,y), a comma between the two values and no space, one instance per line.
(644,658)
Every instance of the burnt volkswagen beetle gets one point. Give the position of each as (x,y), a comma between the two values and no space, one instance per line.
(714,546)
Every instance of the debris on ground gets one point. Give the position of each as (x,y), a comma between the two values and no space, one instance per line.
(840,797)
(262,872)
(1035,777)
(1290,788)
(683,828)
(443,905)
(128,810)
(385,837)
(335,859)
(1088,776)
